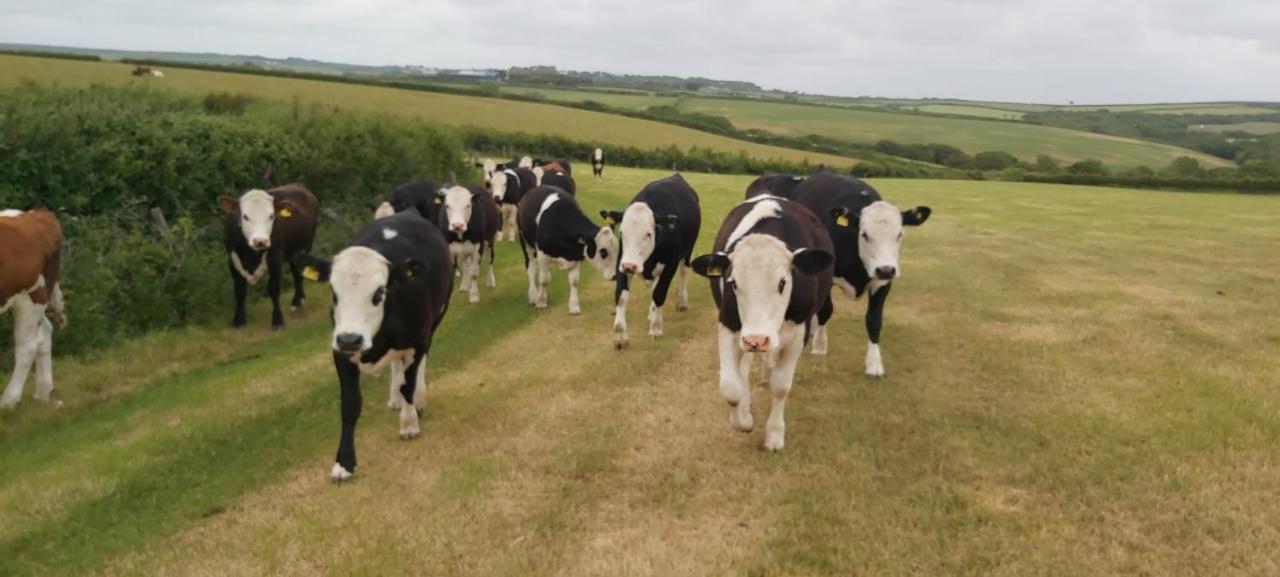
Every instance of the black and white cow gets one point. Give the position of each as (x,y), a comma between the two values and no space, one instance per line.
(657,232)
(420,194)
(489,167)
(263,230)
(560,180)
(597,163)
(554,228)
(508,186)
(470,221)
(525,162)
(770,272)
(391,289)
(777,184)
(867,233)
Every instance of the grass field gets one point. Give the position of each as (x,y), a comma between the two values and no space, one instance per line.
(442,108)
(1081,381)
(1025,141)
(976,111)
(1250,127)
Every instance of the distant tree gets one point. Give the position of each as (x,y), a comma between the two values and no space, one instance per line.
(1185,166)
(692,85)
(1140,172)
(958,160)
(994,160)
(1087,167)
(1047,164)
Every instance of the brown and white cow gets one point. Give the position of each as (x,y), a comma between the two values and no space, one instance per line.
(30,254)
(770,272)
(263,230)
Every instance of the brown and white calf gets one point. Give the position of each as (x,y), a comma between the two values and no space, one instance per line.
(30,254)
(770,272)
(263,230)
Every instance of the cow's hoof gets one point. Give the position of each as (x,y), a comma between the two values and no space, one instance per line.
(408,435)
(621,342)
(473,299)
(740,418)
(575,311)
(875,371)
(540,305)
(818,352)
(277,328)
(339,473)
(774,442)
(8,403)
(394,404)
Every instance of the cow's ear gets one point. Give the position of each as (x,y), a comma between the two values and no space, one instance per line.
(842,216)
(439,196)
(611,217)
(811,261)
(228,203)
(711,265)
(285,208)
(916,216)
(313,268)
(407,271)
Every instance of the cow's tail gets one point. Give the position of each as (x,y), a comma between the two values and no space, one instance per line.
(56,307)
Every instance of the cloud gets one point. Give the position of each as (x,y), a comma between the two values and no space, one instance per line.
(1041,50)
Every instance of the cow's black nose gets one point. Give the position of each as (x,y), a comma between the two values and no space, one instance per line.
(348,342)
(886,272)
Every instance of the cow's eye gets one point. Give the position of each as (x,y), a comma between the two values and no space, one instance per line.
(335,299)
(604,253)
(782,284)
(378,295)
(899,236)
(245,217)
(866,237)
(271,218)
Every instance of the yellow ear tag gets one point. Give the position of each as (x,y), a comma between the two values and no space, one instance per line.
(285,212)
(408,273)
(310,273)
(842,220)
(439,200)
(608,220)
(582,241)
(714,271)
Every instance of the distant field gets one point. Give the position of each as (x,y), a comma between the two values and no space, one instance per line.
(443,108)
(1251,127)
(1210,109)
(1022,140)
(977,111)
(637,101)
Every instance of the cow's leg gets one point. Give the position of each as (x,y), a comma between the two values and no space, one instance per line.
(299,287)
(682,297)
(531,267)
(409,390)
(511,222)
(242,291)
(875,313)
(574,274)
(820,332)
(621,294)
(44,363)
(660,298)
(275,268)
(780,378)
(492,280)
(473,274)
(27,318)
(344,465)
(396,368)
(733,384)
(543,275)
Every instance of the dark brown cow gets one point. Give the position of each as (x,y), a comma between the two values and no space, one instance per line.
(263,230)
(141,70)
(557,165)
(30,253)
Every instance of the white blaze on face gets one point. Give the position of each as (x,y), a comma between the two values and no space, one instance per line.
(498,186)
(879,238)
(606,258)
(762,278)
(457,206)
(525,162)
(359,283)
(489,168)
(598,155)
(639,235)
(537,175)
(257,217)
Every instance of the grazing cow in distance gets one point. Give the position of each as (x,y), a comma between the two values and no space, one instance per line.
(140,70)
(30,257)
(157,74)
(263,230)
(554,228)
(867,233)
(422,195)
(391,289)
(770,271)
(656,234)
(783,185)
(562,181)
(597,163)
(508,187)
(470,222)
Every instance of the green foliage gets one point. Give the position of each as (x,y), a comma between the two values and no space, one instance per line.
(1184,166)
(994,160)
(227,103)
(1088,167)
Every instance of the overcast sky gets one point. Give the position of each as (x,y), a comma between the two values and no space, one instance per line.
(1099,51)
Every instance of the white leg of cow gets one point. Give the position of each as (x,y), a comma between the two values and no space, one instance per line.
(819,338)
(875,368)
(532,270)
(491,280)
(733,387)
(544,277)
(44,363)
(655,320)
(682,296)
(473,273)
(420,389)
(780,378)
(620,338)
(574,273)
(394,400)
(409,420)
(26,343)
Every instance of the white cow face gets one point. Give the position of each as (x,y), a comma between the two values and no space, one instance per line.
(489,167)
(761,272)
(537,175)
(605,258)
(880,232)
(639,229)
(597,155)
(498,186)
(525,162)
(457,207)
(256,211)
(384,210)
(359,279)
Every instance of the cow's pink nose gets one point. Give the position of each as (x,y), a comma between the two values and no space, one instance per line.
(457,226)
(755,343)
(260,242)
(630,268)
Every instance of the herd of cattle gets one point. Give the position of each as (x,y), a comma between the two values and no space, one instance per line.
(772,268)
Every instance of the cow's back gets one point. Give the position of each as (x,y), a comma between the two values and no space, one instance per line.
(777,184)
(298,231)
(420,194)
(527,215)
(825,191)
(561,181)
